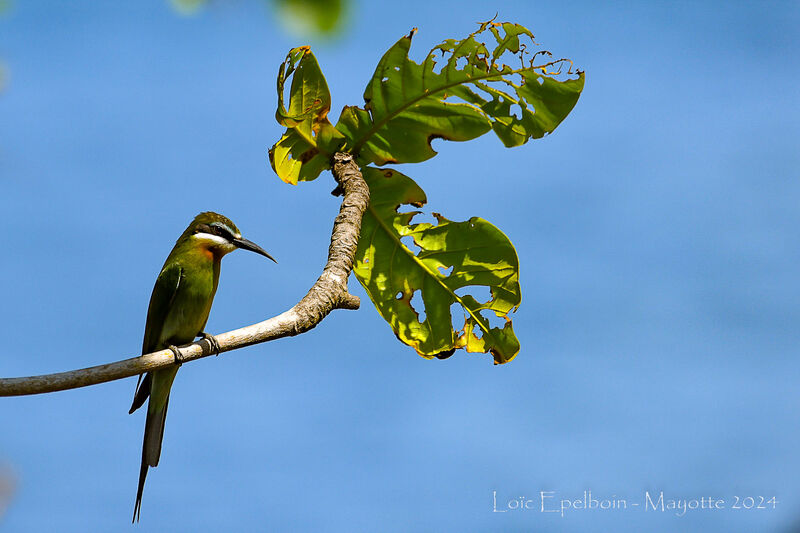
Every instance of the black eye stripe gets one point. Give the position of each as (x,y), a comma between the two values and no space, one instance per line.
(215,230)
(222,232)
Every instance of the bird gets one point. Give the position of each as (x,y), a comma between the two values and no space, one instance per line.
(177,314)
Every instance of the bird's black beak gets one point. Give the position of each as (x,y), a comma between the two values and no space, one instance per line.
(244,244)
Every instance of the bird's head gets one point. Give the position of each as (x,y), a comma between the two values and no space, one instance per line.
(219,235)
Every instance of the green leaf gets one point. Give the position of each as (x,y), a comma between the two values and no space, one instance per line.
(306,147)
(409,104)
(478,252)
(311,18)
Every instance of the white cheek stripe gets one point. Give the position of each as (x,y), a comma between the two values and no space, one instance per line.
(216,239)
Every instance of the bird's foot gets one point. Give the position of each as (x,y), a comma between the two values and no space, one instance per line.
(213,344)
(176,353)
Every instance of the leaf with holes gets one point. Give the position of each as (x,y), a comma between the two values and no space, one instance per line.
(477,253)
(409,104)
(305,148)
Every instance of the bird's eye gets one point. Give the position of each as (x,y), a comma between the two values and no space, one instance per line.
(222,231)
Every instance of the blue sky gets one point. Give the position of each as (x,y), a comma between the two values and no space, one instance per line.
(657,235)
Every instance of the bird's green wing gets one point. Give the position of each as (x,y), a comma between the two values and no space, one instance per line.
(160,303)
(161,300)
(156,384)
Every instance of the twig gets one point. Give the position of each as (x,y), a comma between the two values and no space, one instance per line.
(328,293)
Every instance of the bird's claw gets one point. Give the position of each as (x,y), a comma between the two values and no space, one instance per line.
(213,343)
(176,353)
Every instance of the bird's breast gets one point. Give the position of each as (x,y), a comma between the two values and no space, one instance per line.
(189,311)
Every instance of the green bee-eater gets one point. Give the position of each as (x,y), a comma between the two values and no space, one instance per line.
(177,314)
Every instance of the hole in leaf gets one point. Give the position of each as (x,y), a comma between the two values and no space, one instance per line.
(496,84)
(481,293)
(445,271)
(397,68)
(418,305)
(482,93)
(366,261)
(408,242)
(515,111)
(491,317)
(437,65)
(516,79)
(384,79)
(424,218)
(461,62)
(399,295)
(540,80)
(457,317)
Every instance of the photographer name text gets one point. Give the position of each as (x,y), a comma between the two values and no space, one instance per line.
(549,501)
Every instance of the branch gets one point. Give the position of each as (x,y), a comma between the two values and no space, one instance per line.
(328,293)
